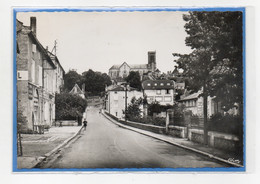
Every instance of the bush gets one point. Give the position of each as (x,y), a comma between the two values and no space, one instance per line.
(133,109)
(226,124)
(155,107)
(69,106)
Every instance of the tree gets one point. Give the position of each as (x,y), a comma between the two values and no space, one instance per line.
(69,106)
(95,82)
(134,80)
(133,109)
(215,63)
(70,79)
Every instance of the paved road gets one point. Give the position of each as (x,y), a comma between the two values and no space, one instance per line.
(105,145)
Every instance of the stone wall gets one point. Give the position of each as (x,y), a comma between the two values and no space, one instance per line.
(152,128)
(215,139)
(65,123)
(177,131)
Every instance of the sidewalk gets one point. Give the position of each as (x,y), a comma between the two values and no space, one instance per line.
(37,147)
(219,155)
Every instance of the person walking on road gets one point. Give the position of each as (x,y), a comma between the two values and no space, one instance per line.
(85,124)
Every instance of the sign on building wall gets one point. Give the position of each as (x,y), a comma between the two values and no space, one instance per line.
(22,75)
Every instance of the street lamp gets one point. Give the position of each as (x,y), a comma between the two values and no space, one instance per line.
(125,88)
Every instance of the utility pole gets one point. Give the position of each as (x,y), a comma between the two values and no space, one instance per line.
(54,48)
(125,101)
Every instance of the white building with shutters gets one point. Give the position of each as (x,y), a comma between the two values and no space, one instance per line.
(161,91)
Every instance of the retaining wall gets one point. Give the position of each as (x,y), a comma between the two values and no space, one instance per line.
(215,139)
(65,123)
(177,131)
(152,128)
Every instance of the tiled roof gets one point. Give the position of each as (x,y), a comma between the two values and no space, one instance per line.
(192,96)
(158,84)
(119,88)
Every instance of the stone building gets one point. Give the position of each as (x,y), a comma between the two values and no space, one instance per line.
(123,70)
(36,78)
(161,91)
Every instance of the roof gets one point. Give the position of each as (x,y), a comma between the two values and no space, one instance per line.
(158,84)
(33,37)
(192,96)
(133,66)
(76,90)
(140,66)
(175,71)
(119,88)
(114,67)
(56,58)
(27,30)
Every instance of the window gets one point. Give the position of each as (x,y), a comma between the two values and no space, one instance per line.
(158,92)
(159,98)
(36,93)
(150,98)
(162,84)
(33,48)
(155,84)
(168,91)
(40,76)
(148,84)
(168,99)
(168,84)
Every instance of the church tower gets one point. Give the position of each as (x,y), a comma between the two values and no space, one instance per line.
(152,60)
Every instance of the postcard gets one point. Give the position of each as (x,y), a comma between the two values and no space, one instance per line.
(129,89)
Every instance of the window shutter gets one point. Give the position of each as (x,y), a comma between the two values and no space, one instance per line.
(33,71)
(40,76)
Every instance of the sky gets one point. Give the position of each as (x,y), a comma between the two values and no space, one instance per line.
(98,40)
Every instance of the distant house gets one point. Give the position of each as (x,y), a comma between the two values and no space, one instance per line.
(77,91)
(161,91)
(123,70)
(194,103)
(115,99)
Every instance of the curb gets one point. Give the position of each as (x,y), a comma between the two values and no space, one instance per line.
(175,144)
(57,148)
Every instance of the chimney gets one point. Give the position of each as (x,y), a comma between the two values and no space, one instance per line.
(33,25)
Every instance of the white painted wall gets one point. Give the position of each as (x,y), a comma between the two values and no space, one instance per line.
(161,96)
(116,101)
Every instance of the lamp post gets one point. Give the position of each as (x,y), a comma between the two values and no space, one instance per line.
(125,88)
